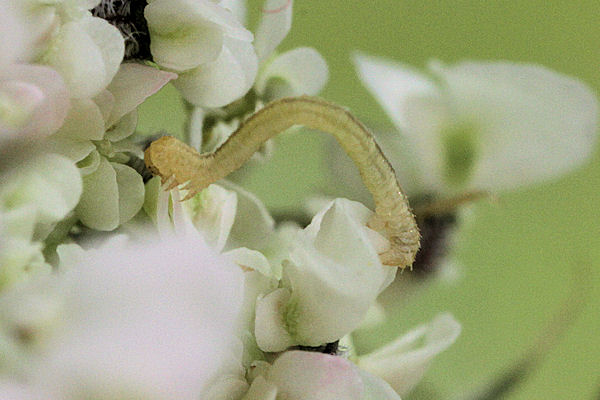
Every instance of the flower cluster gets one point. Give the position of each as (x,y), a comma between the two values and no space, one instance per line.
(209,297)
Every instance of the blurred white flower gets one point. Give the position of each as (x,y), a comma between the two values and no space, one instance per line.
(332,276)
(153,321)
(16,391)
(301,375)
(12,45)
(403,362)
(481,125)
(33,102)
(41,192)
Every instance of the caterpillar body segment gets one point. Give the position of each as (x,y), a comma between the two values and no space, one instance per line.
(171,159)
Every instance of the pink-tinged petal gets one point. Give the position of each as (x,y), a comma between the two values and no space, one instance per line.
(133,84)
(19,101)
(38,98)
(302,375)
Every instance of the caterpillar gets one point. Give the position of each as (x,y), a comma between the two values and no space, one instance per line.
(172,159)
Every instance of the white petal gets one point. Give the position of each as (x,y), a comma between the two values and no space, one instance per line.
(15,391)
(186,34)
(20,221)
(109,42)
(181,38)
(135,328)
(224,18)
(415,151)
(391,83)
(296,72)
(227,387)
(75,150)
(12,45)
(269,329)
(131,191)
(533,123)
(335,275)
(237,7)
(274,26)
(213,212)
(219,83)
(87,54)
(261,390)
(302,375)
(403,362)
(99,204)
(253,224)
(21,260)
(132,85)
(376,388)
(49,182)
(105,102)
(122,129)
(84,122)
(251,259)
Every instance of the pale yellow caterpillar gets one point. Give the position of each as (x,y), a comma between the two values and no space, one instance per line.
(172,159)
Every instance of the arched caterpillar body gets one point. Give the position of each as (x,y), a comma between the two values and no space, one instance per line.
(172,159)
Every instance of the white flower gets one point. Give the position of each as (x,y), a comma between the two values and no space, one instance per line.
(143,322)
(186,33)
(95,135)
(301,71)
(208,46)
(301,375)
(403,362)
(331,278)
(481,125)
(87,53)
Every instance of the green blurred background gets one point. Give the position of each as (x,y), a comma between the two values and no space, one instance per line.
(519,254)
